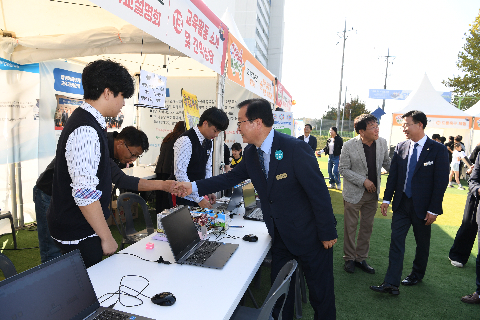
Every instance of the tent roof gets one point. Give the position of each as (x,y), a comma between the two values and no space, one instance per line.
(474,110)
(426,99)
(228,19)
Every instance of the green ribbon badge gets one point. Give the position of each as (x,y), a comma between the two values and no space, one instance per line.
(279,154)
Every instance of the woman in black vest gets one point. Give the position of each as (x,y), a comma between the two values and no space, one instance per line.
(333,150)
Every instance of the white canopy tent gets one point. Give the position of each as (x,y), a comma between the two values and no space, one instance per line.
(443,118)
(474,111)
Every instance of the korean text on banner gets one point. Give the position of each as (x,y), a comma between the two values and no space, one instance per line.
(150,16)
(190,108)
(197,32)
(246,71)
(283,122)
(440,121)
(284,99)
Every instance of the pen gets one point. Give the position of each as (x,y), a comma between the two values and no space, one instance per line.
(236,226)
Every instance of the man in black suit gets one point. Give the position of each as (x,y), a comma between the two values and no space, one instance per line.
(418,178)
(295,202)
(308,138)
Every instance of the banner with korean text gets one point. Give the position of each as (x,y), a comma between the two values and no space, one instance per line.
(440,121)
(246,71)
(190,108)
(283,98)
(187,25)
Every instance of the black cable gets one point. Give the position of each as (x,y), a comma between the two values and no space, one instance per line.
(121,293)
(160,260)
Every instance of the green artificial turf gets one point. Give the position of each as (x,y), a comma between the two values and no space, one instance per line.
(437,297)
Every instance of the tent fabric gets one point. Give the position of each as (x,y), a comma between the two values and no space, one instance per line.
(474,110)
(426,99)
(228,19)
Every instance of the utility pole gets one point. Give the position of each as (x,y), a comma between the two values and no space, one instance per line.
(341,75)
(386,73)
(344,105)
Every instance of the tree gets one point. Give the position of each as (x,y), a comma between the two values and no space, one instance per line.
(468,84)
(357,107)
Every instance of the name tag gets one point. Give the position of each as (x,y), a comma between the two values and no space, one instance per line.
(281,176)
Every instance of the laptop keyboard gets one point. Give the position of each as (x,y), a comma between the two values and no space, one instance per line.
(256,214)
(111,315)
(203,252)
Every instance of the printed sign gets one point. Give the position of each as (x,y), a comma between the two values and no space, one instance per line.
(400,94)
(452,122)
(152,90)
(190,109)
(283,98)
(67,81)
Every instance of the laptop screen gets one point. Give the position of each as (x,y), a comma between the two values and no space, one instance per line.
(181,232)
(58,289)
(249,196)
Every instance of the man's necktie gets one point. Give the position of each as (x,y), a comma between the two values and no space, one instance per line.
(262,161)
(411,169)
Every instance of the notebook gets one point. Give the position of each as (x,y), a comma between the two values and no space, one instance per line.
(233,203)
(58,289)
(252,212)
(186,245)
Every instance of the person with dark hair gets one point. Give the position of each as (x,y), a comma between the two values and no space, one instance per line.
(128,145)
(164,168)
(449,145)
(236,154)
(442,140)
(333,148)
(361,163)
(436,137)
(193,152)
(308,138)
(295,202)
(83,175)
(417,182)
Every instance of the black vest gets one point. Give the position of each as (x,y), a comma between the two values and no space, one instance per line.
(197,167)
(65,220)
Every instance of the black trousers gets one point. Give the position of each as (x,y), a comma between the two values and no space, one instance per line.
(318,269)
(90,249)
(402,219)
(467,233)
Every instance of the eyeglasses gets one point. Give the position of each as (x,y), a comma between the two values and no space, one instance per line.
(133,156)
(373,128)
(406,125)
(240,122)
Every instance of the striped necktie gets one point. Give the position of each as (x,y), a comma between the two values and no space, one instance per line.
(262,161)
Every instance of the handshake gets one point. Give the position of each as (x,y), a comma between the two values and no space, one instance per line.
(182,189)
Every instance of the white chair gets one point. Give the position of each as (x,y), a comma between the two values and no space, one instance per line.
(279,288)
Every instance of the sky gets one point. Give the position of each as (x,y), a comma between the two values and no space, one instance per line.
(423,36)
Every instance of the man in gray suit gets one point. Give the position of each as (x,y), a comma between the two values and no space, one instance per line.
(361,162)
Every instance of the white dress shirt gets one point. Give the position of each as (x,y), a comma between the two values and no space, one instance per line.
(182,154)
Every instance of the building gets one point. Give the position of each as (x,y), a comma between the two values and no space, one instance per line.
(261,25)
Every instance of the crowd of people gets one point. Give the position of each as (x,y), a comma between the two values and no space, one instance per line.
(72,196)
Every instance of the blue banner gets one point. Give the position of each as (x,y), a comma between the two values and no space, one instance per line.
(399,94)
(67,81)
(9,65)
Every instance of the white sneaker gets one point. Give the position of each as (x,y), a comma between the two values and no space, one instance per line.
(331,186)
(456,263)
(450,185)
(339,186)
(461,188)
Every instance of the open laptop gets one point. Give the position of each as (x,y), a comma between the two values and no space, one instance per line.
(186,245)
(233,203)
(252,211)
(58,289)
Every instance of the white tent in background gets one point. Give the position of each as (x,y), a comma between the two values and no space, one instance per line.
(443,118)
(474,110)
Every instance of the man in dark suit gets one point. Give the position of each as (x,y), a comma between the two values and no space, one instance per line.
(308,138)
(418,178)
(295,202)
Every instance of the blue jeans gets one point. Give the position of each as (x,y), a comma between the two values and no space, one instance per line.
(48,247)
(333,174)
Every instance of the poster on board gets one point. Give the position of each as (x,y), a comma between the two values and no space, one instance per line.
(152,90)
(190,109)
(283,122)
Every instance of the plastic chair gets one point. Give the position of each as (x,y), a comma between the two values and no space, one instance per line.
(7,267)
(125,202)
(8,215)
(279,288)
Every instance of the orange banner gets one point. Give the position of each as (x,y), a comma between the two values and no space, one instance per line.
(245,70)
(445,122)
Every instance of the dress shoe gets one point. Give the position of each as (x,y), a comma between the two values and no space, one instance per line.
(471,298)
(386,288)
(349,266)
(411,280)
(365,267)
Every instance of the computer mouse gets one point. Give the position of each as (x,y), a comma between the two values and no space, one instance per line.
(250,238)
(164,299)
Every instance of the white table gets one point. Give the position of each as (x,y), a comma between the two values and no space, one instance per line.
(141,172)
(201,293)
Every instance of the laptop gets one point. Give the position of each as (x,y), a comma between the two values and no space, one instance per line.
(187,248)
(58,289)
(252,211)
(233,203)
